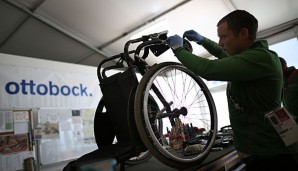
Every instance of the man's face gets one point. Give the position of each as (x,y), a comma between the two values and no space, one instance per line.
(228,41)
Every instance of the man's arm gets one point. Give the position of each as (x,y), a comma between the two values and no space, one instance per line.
(213,48)
(242,67)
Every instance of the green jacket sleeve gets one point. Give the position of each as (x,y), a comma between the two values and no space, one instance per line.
(251,64)
(213,48)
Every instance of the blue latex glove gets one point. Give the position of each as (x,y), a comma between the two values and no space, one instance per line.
(192,35)
(175,42)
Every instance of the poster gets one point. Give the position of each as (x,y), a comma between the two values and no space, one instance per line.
(14,143)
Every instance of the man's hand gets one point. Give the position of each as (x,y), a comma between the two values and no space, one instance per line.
(175,42)
(193,36)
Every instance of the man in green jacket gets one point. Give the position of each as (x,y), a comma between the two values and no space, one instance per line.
(290,93)
(254,88)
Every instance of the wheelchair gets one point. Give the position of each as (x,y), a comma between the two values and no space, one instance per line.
(162,110)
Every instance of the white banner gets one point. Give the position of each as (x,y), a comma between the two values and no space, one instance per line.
(31,87)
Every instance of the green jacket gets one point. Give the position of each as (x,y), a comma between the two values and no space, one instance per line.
(290,96)
(255,77)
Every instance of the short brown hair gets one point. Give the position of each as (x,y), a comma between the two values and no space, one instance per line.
(239,19)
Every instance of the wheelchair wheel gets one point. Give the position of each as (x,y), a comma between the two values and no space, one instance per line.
(187,111)
(105,135)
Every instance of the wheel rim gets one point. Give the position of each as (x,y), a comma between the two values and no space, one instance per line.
(191,100)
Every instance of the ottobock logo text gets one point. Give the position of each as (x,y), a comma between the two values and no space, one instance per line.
(31,88)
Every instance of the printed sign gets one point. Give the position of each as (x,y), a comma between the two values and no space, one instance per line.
(29,87)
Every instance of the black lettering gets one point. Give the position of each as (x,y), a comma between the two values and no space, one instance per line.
(65,90)
(54,89)
(83,90)
(12,88)
(41,87)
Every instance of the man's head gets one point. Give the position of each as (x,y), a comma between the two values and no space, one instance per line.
(284,65)
(237,31)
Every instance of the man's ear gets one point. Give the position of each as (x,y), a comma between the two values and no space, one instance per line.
(244,33)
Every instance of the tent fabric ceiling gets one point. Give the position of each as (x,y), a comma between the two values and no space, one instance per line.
(86,32)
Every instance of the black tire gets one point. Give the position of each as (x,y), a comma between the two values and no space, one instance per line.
(191,104)
(145,156)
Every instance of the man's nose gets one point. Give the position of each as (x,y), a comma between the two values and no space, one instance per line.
(220,44)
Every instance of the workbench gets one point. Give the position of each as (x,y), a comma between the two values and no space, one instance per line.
(222,160)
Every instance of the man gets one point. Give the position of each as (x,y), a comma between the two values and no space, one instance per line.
(290,93)
(255,84)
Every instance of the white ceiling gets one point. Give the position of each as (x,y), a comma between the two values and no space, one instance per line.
(87,31)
